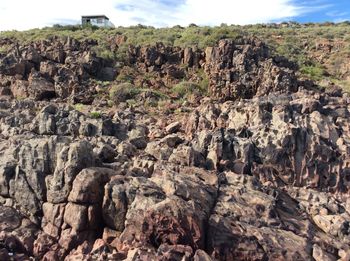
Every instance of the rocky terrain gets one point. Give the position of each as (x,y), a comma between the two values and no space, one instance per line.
(256,169)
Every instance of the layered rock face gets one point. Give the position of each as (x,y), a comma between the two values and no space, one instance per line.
(263,176)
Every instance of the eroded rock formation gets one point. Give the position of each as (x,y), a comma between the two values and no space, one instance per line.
(262,176)
(52,68)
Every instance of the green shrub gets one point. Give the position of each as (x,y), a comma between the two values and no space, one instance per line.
(110,103)
(79,107)
(314,72)
(95,114)
(184,88)
(204,82)
(126,74)
(123,92)
(5,49)
(121,55)
(105,54)
(344,84)
(131,102)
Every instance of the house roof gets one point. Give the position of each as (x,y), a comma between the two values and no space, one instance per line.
(95,16)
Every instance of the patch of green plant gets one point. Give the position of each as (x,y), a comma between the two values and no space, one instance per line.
(131,102)
(95,114)
(90,26)
(158,94)
(126,74)
(79,107)
(314,72)
(185,88)
(102,83)
(149,76)
(162,104)
(20,98)
(121,54)
(103,52)
(110,103)
(123,92)
(152,104)
(204,82)
(344,84)
(4,49)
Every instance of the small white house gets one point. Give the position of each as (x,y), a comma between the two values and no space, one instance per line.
(96,20)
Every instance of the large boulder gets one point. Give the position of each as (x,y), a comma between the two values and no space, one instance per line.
(171,207)
(70,161)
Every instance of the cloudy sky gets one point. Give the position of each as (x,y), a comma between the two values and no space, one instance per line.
(26,14)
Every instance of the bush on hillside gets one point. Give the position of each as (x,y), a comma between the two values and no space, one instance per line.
(184,88)
(123,92)
(313,72)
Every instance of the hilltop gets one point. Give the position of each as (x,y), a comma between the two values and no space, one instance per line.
(320,50)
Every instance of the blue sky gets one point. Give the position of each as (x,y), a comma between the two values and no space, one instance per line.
(333,11)
(26,14)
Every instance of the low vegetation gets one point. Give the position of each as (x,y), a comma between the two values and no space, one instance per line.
(123,92)
(315,73)
(4,49)
(185,88)
(95,114)
(79,107)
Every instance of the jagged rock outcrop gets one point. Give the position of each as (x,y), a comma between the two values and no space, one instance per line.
(244,69)
(236,69)
(262,176)
(283,139)
(161,57)
(52,68)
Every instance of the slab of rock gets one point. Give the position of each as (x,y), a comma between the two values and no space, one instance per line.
(88,185)
(173,127)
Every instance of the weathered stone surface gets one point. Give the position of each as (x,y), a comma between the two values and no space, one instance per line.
(39,88)
(70,161)
(244,69)
(263,176)
(10,219)
(88,186)
(258,221)
(166,199)
(173,127)
(273,140)
(76,216)
(138,137)
(48,69)
(52,218)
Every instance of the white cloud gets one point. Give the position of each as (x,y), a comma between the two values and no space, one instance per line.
(239,12)
(25,14)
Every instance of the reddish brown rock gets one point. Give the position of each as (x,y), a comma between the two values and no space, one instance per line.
(88,186)
(19,89)
(264,178)
(47,69)
(76,216)
(244,69)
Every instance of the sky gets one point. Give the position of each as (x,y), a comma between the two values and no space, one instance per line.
(27,14)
